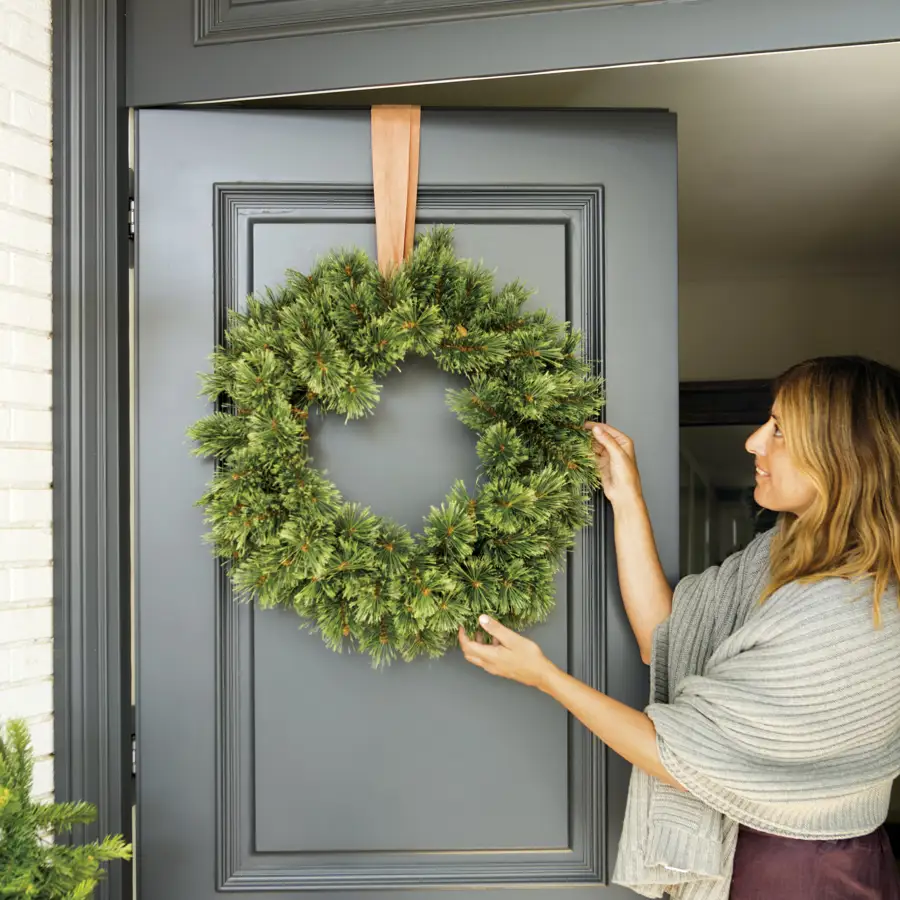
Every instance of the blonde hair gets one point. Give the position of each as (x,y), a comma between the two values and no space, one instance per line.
(840,416)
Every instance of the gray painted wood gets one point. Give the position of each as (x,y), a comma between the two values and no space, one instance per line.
(191,50)
(266,762)
(382,741)
(91,446)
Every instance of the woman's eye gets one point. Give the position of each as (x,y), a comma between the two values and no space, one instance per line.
(778,431)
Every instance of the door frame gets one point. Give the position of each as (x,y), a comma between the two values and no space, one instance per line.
(91,382)
(91,446)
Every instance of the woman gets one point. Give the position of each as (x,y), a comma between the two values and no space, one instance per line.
(764,763)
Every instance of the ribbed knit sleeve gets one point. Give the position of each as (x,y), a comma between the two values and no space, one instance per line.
(793,724)
(783,716)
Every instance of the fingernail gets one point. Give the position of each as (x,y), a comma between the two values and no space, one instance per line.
(597,431)
(484,619)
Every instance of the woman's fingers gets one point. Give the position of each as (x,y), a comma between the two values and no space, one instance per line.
(466,644)
(608,443)
(476,652)
(510,656)
(620,436)
(500,633)
(610,437)
(616,462)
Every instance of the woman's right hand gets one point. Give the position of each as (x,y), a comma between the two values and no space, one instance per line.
(646,592)
(616,463)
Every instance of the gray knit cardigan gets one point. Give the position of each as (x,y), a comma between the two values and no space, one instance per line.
(784,717)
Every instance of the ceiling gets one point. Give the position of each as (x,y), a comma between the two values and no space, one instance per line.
(789,160)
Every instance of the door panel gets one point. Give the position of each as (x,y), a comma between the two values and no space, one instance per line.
(349,740)
(267,762)
(190,50)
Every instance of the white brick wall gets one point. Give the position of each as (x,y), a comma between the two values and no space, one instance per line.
(26,620)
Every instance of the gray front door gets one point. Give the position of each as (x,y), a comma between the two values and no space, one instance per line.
(265,761)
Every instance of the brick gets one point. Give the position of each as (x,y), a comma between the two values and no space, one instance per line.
(25,545)
(26,623)
(32,507)
(31,115)
(33,273)
(29,192)
(27,75)
(43,778)
(22,232)
(31,699)
(37,11)
(25,466)
(22,151)
(32,351)
(25,36)
(28,585)
(22,386)
(31,426)
(31,661)
(26,208)
(41,737)
(26,661)
(22,311)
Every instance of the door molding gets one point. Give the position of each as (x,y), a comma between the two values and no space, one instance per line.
(224,21)
(237,208)
(91,468)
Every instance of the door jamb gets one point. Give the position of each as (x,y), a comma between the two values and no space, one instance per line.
(91,447)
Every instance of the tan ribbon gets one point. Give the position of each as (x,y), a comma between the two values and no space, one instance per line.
(395,176)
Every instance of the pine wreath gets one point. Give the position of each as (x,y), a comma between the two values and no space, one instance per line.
(284,531)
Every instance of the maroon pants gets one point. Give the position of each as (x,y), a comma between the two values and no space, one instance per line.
(768,867)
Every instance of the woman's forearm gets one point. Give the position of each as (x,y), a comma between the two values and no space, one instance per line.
(627,731)
(646,593)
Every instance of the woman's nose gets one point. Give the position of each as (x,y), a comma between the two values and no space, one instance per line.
(756,444)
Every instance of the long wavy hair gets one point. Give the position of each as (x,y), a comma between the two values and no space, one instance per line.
(840,416)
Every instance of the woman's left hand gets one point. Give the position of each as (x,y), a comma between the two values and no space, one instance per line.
(509,656)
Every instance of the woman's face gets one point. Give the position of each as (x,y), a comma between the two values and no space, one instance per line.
(780,486)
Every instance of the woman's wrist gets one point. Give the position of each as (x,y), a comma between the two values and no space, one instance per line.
(549,678)
(628,502)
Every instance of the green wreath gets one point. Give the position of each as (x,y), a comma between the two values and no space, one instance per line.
(286,534)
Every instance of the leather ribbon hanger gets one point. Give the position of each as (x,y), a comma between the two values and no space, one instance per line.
(395,176)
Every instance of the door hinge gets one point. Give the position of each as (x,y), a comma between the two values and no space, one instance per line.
(132,217)
(133,741)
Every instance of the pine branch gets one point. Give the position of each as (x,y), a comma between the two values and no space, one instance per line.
(31,866)
(450,531)
(501,449)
